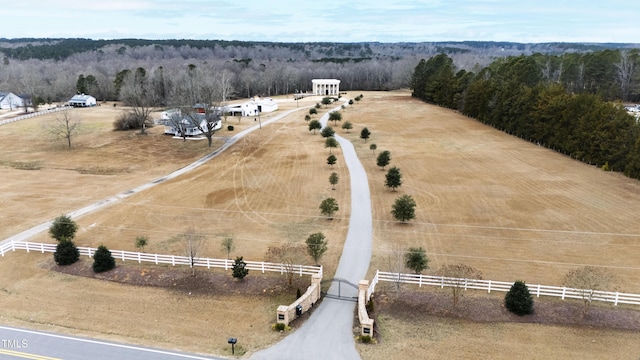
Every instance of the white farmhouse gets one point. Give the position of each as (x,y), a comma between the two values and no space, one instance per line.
(253,107)
(10,101)
(82,100)
(176,124)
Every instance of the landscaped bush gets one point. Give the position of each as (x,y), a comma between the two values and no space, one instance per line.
(230,128)
(279,326)
(365,339)
(129,121)
(102,260)
(66,253)
(518,300)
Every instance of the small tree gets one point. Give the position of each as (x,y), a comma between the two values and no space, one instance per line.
(333,180)
(314,125)
(331,160)
(66,252)
(64,127)
(288,255)
(240,268)
(393,178)
(227,245)
(518,299)
(365,134)
(326,101)
(317,106)
(335,116)
(404,208)
(313,111)
(328,206)
(193,244)
(347,125)
(373,148)
(63,228)
(383,159)
(586,280)
(456,276)
(316,246)
(141,242)
(307,118)
(327,131)
(102,260)
(416,260)
(331,143)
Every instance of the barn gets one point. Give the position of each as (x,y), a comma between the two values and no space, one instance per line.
(82,100)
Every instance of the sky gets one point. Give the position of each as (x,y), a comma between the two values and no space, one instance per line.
(525,21)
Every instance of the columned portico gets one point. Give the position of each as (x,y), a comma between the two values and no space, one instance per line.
(326,87)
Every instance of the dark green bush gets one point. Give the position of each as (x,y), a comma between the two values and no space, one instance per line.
(102,260)
(518,300)
(66,252)
(230,128)
(279,326)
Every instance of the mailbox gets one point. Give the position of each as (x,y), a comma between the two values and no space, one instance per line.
(298,310)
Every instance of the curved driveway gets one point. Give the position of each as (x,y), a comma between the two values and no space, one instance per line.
(328,333)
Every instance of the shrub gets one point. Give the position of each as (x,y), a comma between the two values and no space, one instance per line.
(230,128)
(370,306)
(127,121)
(365,339)
(66,252)
(102,260)
(279,326)
(518,299)
(240,268)
(298,293)
(63,228)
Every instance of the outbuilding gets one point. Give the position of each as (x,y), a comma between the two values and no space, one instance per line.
(82,100)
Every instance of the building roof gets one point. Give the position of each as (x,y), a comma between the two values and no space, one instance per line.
(81,97)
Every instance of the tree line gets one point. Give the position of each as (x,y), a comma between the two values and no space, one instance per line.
(571,103)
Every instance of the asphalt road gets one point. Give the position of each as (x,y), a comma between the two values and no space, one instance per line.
(328,334)
(28,344)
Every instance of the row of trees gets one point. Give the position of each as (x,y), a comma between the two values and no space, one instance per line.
(561,102)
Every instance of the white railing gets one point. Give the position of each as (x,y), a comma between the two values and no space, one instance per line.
(168,259)
(33,114)
(492,285)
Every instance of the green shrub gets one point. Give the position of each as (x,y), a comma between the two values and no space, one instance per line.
(230,128)
(279,326)
(518,300)
(102,260)
(370,307)
(365,339)
(240,268)
(66,252)
(298,293)
(63,228)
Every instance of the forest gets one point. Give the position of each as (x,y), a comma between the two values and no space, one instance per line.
(53,70)
(571,103)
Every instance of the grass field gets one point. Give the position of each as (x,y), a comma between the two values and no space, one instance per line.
(507,207)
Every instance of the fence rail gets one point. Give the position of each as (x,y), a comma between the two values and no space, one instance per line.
(33,114)
(169,259)
(492,285)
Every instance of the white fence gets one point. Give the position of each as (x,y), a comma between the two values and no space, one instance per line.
(169,259)
(491,285)
(34,114)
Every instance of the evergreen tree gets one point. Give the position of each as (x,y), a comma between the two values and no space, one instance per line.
(383,159)
(63,228)
(416,260)
(316,246)
(331,160)
(102,260)
(365,134)
(404,208)
(518,299)
(66,252)
(393,178)
(240,270)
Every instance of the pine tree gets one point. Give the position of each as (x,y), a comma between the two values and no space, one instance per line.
(240,268)
(66,252)
(102,260)
(518,300)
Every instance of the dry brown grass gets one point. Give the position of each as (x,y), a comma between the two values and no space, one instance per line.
(507,207)
(263,191)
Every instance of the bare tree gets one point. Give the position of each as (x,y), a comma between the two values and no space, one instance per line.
(193,241)
(457,277)
(138,92)
(625,70)
(227,245)
(586,280)
(65,126)
(288,255)
(396,264)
